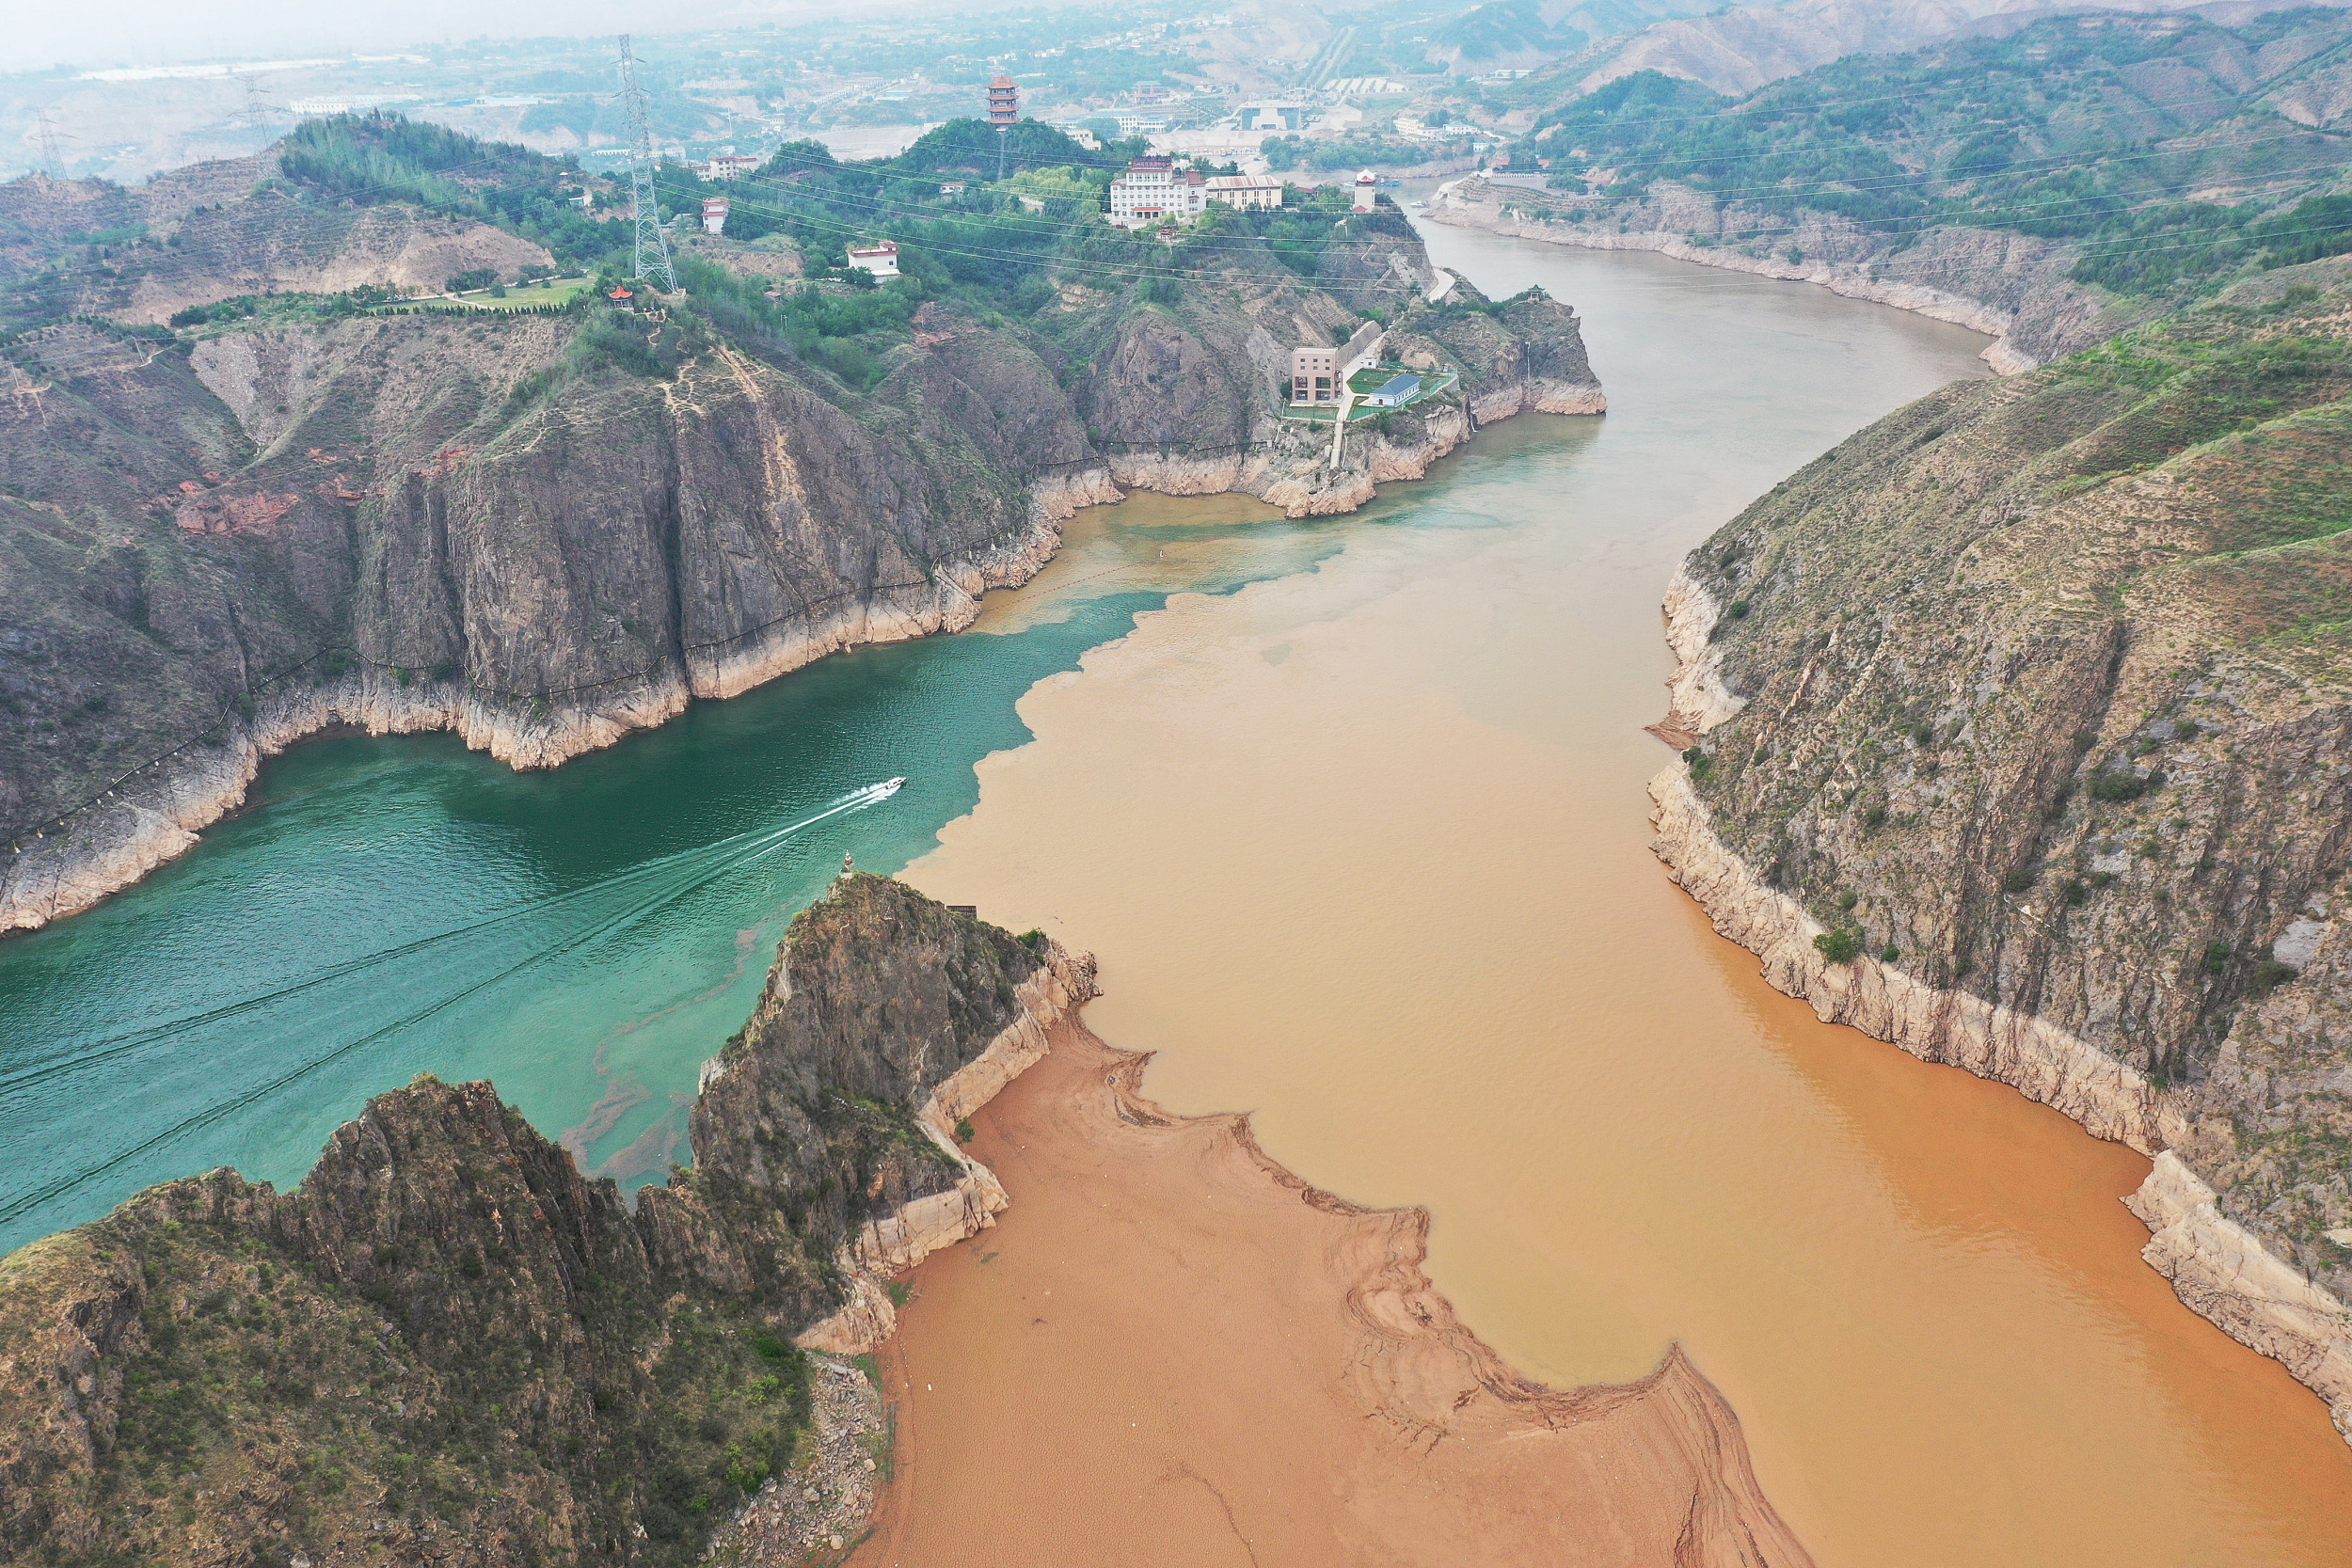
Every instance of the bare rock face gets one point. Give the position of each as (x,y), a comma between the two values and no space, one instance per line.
(2031,703)
(525,532)
(448,1344)
(2015,287)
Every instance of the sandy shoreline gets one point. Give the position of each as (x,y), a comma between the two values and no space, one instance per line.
(1171,1349)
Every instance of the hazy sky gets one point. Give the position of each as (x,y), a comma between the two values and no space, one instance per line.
(153,32)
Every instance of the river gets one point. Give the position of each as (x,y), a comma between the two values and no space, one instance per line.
(1352,811)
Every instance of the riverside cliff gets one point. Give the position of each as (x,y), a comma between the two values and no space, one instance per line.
(543,531)
(2133,163)
(2016,734)
(448,1344)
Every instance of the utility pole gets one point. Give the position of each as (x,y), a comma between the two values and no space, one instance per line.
(653,245)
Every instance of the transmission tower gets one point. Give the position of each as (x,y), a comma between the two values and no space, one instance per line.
(653,245)
(258,110)
(51,164)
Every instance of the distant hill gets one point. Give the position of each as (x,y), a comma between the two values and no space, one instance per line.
(1740,49)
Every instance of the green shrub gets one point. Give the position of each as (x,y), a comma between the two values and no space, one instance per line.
(2114,785)
(1841,946)
(965,1132)
(1848,899)
(1700,764)
(2270,974)
(2020,879)
(1738,609)
(2077,893)
(2216,957)
(1889,953)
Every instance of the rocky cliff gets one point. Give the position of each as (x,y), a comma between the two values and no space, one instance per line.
(447,1344)
(543,530)
(2015,288)
(2135,163)
(2017,733)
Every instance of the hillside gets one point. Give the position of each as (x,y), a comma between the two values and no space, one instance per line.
(544,528)
(2017,733)
(447,1344)
(2052,184)
(1738,49)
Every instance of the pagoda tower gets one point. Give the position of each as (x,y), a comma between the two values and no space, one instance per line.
(1004,108)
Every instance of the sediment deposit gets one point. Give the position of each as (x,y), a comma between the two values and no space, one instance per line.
(1223,1364)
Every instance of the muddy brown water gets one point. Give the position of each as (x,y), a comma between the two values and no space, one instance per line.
(1362,850)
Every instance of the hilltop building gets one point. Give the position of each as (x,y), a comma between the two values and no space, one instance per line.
(724,166)
(1004,102)
(1153,189)
(715,214)
(1245,191)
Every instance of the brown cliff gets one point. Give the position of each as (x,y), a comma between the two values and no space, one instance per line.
(447,1342)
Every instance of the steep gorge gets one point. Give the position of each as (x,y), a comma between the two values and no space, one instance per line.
(542,532)
(2015,733)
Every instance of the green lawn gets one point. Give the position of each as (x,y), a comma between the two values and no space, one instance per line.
(556,291)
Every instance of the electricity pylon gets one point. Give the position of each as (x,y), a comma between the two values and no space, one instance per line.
(643,205)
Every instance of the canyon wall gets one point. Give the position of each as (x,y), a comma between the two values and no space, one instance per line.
(2017,733)
(448,1343)
(544,532)
(2015,288)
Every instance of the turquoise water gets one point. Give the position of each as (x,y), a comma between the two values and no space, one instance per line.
(584,937)
(588,937)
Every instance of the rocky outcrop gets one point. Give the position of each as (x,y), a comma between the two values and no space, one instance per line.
(2013,739)
(529,533)
(2013,288)
(449,1343)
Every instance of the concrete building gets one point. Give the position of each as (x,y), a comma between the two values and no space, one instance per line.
(1397,389)
(1245,191)
(1367,185)
(880,259)
(714,215)
(1314,375)
(1273,117)
(1318,374)
(726,166)
(1153,189)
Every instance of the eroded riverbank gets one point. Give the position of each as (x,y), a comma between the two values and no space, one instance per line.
(1364,851)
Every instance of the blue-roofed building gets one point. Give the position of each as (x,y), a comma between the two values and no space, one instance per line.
(1397,389)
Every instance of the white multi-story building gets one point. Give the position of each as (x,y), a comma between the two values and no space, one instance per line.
(1153,190)
(1246,190)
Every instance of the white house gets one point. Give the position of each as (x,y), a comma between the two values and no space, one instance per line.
(1154,189)
(1397,389)
(1246,190)
(726,166)
(1366,184)
(714,215)
(880,259)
